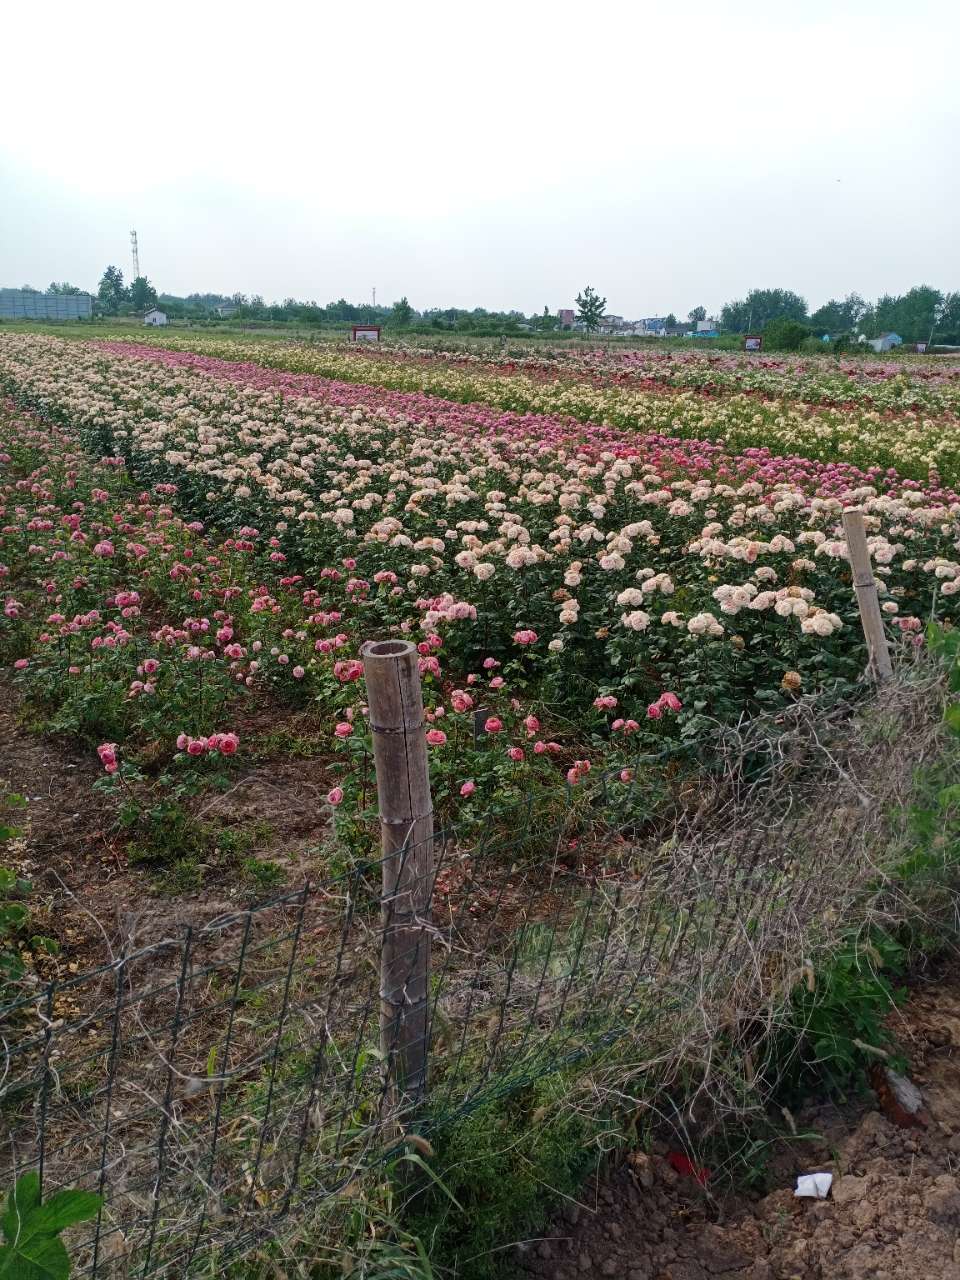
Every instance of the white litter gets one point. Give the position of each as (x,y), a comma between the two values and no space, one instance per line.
(816,1186)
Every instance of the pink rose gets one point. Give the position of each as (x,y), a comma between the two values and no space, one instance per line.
(436,737)
(335,796)
(21,664)
(515,753)
(343,729)
(196,746)
(654,711)
(493,725)
(298,673)
(525,637)
(468,789)
(182,741)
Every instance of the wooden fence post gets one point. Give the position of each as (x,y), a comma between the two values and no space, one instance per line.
(880,666)
(395,703)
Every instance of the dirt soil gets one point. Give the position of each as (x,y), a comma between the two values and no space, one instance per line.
(86,894)
(894,1211)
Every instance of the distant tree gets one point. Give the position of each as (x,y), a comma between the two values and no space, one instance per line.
(837,317)
(783,334)
(28,288)
(590,308)
(547,322)
(402,313)
(948,327)
(671,321)
(760,307)
(68,290)
(110,292)
(697,314)
(142,294)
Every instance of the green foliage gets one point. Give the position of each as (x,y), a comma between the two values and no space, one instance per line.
(402,314)
(590,308)
(915,316)
(33,1249)
(15,935)
(262,874)
(761,306)
(111,293)
(836,317)
(784,334)
(836,1021)
(142,294)
(499,1168)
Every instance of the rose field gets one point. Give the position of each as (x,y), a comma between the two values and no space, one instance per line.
(188,536)
(667,790)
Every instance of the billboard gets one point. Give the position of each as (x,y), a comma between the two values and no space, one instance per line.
(753,342)
(365,333)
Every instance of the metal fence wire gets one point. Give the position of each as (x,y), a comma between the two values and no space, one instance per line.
(216,1085)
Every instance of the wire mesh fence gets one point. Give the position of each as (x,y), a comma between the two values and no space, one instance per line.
(220,1082)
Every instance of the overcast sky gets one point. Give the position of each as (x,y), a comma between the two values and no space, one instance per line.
(497,154)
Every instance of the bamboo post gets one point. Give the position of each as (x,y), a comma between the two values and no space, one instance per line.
(406,818)
(880,667)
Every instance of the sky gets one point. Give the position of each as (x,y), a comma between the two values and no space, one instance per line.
(501,155)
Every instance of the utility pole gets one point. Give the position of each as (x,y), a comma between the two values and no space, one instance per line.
(374,295)
(136,255)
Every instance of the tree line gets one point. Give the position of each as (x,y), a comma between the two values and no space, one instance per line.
(922,314)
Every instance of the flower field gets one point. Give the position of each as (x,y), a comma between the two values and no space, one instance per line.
(194,545)
(876,414)
(593,572)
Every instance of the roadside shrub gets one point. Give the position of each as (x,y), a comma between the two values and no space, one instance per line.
(784,335)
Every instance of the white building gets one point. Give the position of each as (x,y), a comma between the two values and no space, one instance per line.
(155,316)
(885,342)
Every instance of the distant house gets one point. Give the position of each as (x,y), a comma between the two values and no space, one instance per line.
(566,317)
(884,343)
(155,316)
(653,325)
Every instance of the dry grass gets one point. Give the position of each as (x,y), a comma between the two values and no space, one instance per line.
(215,1083)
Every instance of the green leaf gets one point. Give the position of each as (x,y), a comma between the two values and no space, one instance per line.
(43,1258)
(34,1250)
(24,1197)
(63,1210)
(952,717)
